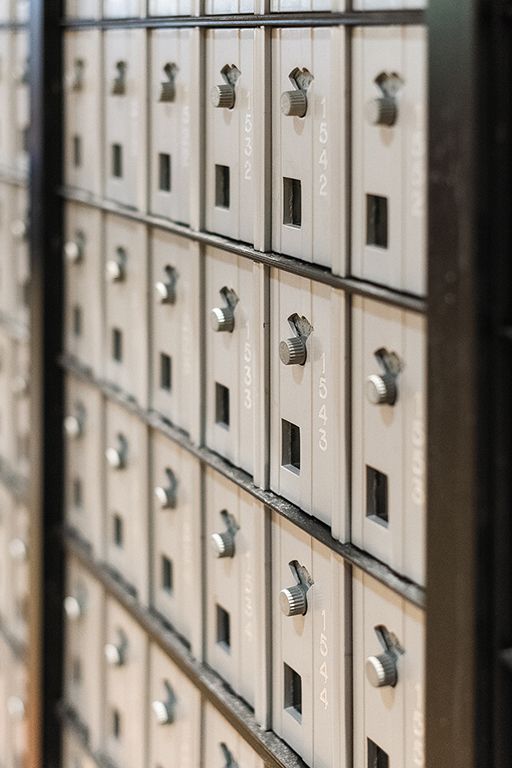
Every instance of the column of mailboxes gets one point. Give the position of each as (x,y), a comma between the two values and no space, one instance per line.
(14,380)
(232,352)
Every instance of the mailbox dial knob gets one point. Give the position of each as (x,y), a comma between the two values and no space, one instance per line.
(73,426)
(223,96)
(72,607)
(381,670)
(293,601)
(19,385)
(381,389)
(114,655)
(222,319)
(223,544)
(19,229)
(115,458)
(73,252)
(166,292)
(165,497)
(16,707)
(293,351)
(382,111)
(18,549)
(114,271)
(294,103)
(162,712)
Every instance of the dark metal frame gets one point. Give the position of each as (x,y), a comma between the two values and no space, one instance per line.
(469,624)
(46,385)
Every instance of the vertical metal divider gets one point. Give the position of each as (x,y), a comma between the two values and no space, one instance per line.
(453,666)
(46,385)
(494,583)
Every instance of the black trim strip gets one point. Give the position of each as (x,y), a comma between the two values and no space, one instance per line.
(349,19)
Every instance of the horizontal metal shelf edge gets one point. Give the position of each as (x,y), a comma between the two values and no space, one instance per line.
(407,589)
(17,647)
(351,18)
(274,752)
(304,269)
(15,26)
(14,482)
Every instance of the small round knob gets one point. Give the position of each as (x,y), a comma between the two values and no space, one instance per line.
(381,389)
(223,96)
(294,103)
(115,458)
(16,707)
(223,544)
(114,655)
(165,497)
(114,271)
(165,292)
(222,319)
(162,712)
(382,111)
(293,601)
(73,426)
(19,229)
(18,549)
(381,670)
(73,252)
(292,351)
(72,607)
(19,385)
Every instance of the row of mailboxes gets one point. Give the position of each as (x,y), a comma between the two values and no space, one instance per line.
(317,606)
(90,9)
(206,329)
(310,185)
(165,713)
(13,708)
(14,565)
(14,100)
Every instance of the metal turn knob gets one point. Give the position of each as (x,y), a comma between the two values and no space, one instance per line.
(19,229)
(73,251)
(73,426)
(162,712)
(293,351)
(166,292)
(72,607)
(166,497)
(381,670)
(114,271)
(18,549)
(294,103)
(16,708)
(382,111)
(19,385)
(293,601)
(222,319)
(223,544)
(114,655)
(115,458)
(223,96)
(381,389)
